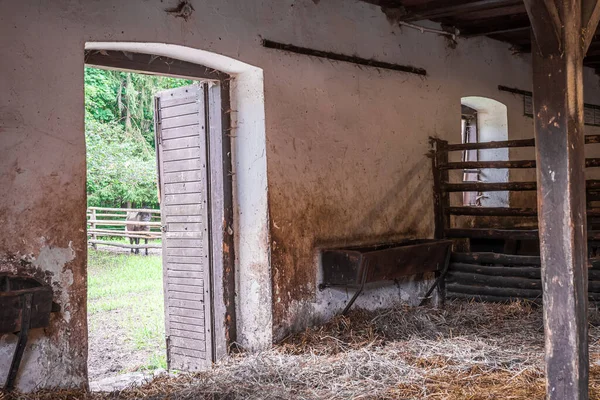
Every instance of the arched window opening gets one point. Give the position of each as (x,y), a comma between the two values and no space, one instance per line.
(484,120)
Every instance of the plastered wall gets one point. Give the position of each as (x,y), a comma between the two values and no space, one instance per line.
(346,145)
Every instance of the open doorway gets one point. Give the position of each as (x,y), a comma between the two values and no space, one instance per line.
(161,139)
(484,120)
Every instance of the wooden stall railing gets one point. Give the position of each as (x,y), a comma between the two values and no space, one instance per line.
(442,189)
(499,276)
(105,222)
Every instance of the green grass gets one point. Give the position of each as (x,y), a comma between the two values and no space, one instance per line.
(132,285)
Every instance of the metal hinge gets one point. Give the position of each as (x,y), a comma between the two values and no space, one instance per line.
(164,228)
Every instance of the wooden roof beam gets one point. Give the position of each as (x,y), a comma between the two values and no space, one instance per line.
(448,8)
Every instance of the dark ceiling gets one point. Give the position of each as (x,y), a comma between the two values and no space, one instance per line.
(504,20)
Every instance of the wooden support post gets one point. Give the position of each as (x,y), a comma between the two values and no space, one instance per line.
(441,199)
(558,42)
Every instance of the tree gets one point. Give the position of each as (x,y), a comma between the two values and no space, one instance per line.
(119,110)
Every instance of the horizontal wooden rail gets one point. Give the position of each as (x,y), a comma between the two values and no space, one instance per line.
(493,233)
(503,186)
(493,211)
(100,222)
(485,233)
(489,164)
(148,210)
(506,211)
(491,145)
(126,246)
(495,258)
(129,234)
(589,139)
(465,165)
(488,186)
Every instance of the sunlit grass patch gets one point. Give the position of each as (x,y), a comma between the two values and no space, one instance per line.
(130,285)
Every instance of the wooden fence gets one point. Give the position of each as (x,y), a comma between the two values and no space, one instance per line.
(105,223)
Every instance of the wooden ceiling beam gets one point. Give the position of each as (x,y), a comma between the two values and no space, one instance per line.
(590,16)
(448,8)
(545,23)
(495,26)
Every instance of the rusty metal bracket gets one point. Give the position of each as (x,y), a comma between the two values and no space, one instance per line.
(439,279)
(21,343)
(360,289)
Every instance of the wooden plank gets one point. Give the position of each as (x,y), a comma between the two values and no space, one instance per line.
(185,267)
(187,321)
(177,295)
(183,199)
(185,288)
(185,187)
(522,272)
(183,165)
(185,210)
(179,110)
(441,200)
(124,210)
(186,342)
(183,259)
(178,311)
(488,186)
(184,243)
(495,258)
(185,252)
(515,293)
(179,143)
(559,135)
(149,63)
(187,176)
(182,154)
(491,164)
(187,234)
(187,326)
(186,273)
(125,246)
(189,131)
(188,304)
(174,102)
(184,120)
(185,351)
(492,145)
(493,211)
(186,282)
(197,335)
(493,281)
(443,8)
(484,233)
(184,219)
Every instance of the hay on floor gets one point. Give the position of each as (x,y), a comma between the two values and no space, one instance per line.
(466,351)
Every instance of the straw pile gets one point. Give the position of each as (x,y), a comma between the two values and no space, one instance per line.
(467,351)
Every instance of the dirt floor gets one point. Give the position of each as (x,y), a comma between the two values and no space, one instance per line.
(467,351)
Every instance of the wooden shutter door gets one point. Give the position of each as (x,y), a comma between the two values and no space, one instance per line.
(181,139)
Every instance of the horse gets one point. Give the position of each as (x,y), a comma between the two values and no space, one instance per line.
(137,216)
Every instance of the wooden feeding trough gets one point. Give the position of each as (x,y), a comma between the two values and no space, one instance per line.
(25,304)
(354,267)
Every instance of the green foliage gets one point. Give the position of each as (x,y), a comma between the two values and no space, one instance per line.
(119,109)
